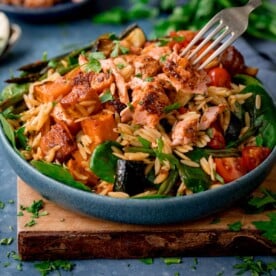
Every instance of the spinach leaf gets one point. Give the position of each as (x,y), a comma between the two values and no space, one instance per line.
(12,94)
(103,162)
(8,130)
(21,138)
(194,178)
(168,184)
(58,173)
(246,80)
(263,116)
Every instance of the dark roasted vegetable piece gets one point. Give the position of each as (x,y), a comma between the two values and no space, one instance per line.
(233,131)
(25,79)
(33,67)
(130,177)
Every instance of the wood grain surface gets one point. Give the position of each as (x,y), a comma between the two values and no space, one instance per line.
(63,234)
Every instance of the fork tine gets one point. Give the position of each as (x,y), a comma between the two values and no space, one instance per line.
(219,50)
(211,35)
(200,34)
(213,44)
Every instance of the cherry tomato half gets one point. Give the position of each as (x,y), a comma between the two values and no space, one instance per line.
(230,168)
(253,156)
(219,77)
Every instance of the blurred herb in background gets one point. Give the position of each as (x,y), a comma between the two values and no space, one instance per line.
(171,15)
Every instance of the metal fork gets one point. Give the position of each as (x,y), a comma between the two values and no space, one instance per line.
(225,27)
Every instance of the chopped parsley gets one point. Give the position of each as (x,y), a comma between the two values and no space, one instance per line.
(20,214)
(147,261)
(106,96)
(46,267)
(148,79)
(163,58)
(30,223)
(96,55)
(6,241)
(255,267)
(35,209)
(2,205)
(14,256)
(195,263)
(235,226)
(93,65)
(171,107)
(44,56)
(118,49)
(266,201)
(172,260)
(215,220)
(120,66)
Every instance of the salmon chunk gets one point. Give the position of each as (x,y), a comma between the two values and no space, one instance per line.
(58,137)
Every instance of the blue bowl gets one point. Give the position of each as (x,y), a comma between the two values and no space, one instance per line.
(138,211)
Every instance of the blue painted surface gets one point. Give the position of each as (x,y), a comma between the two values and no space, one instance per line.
(55,38)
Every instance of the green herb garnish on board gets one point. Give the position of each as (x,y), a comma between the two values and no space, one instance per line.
(267,228)
(35,209)
(235,226)
(264,201)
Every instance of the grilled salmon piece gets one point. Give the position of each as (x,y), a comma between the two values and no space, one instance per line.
(60,137)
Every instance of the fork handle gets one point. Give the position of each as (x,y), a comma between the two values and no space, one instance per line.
(254,4)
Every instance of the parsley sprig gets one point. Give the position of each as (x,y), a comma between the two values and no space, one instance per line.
(268,228)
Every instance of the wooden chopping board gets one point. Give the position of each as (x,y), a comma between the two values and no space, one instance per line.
(63,234)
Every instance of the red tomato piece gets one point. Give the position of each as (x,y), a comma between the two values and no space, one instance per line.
(230,168)
(253,156)
(219,77)
(217,139)
(181,38)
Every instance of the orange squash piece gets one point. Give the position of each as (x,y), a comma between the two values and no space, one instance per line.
(99,128)
(52,90)
(62,117)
